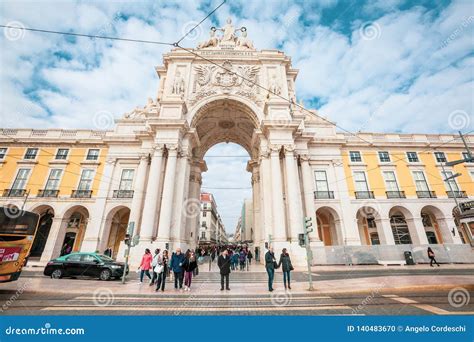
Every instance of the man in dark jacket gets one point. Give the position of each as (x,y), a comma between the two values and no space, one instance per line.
(224,265)
(176,265)
(270,262)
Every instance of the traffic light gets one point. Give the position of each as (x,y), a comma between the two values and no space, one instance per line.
(127,240)
(308,224)
(301,240)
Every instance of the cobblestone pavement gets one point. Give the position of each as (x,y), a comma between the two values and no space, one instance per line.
(374,291)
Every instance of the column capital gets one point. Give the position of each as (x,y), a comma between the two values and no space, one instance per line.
(111,161)
(304,157)
(173,150)
(290,148)
(274,149)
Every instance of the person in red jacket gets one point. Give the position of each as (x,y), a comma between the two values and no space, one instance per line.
(145,265)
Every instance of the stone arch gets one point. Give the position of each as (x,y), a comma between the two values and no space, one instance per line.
(401,222)
(329,226)
(115,228)
(46,213)
(73,227)
(369,225)
(224,119)
(435,224)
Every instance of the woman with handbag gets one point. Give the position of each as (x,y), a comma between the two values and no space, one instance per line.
(145,265)
(161,269)
(431,256)
(287,267)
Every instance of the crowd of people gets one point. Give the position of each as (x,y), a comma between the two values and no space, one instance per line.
(182,267)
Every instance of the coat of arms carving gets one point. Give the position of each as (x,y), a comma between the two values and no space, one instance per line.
(211,79)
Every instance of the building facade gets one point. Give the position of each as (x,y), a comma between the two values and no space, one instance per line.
(244,229)
(371,196)
(211,228)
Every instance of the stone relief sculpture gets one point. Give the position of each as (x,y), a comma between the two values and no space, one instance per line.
(211,80)
(229,38)
(178,84)
(275,88)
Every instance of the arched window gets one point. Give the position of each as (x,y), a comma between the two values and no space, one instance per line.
(400,230)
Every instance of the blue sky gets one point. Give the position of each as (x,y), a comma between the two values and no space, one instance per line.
(393,65)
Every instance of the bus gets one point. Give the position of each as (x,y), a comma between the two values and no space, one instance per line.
(17,233)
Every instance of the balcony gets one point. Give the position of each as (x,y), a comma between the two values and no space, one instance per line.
(81,193)
(123,194)
(364,194)
(457,194)
(395,194)
(48,193)
(324,194)
(14,193)
(426,194)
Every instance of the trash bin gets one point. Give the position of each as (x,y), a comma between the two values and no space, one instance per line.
(409,258)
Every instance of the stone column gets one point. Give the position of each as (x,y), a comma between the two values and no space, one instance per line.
(293,194)
(267,197)
(193,207)
(417,231)
(256,204)
(445,226)
(308,190)
(164,225)
(181,203)
(152,196)
(138,192)
(53,245)
(384,229)
(92,235)
(279,228)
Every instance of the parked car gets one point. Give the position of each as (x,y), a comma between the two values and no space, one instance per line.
(84,264)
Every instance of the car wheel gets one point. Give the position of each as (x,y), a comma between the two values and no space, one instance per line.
(57,274)
(105,274)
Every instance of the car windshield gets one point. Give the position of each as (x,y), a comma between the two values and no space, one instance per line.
(104,257)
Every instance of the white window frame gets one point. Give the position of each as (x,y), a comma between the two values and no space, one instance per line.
(92,149)
(464,155)
(57,151)
(395,180)
(49,179)
(454,184)
(443,156)
(126,180)
(81,179)
(416,182)
(4,154)
(384,161)
(325,180)
(356,182)
(26,153)
(408,157)
(360,156)
(26,179)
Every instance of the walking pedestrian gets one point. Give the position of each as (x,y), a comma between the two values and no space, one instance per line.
(242,258)
(249,257)
(287,267)
(176,265)
(431,255)
(154,262)
(223,262)
(189,265)
(270,265)
(145,265)
(162,270)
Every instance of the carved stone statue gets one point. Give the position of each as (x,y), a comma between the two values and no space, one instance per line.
(151,106)
(244,42)
(136,113)
(275,88)
(229,31)
(178,84)
(212,42)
